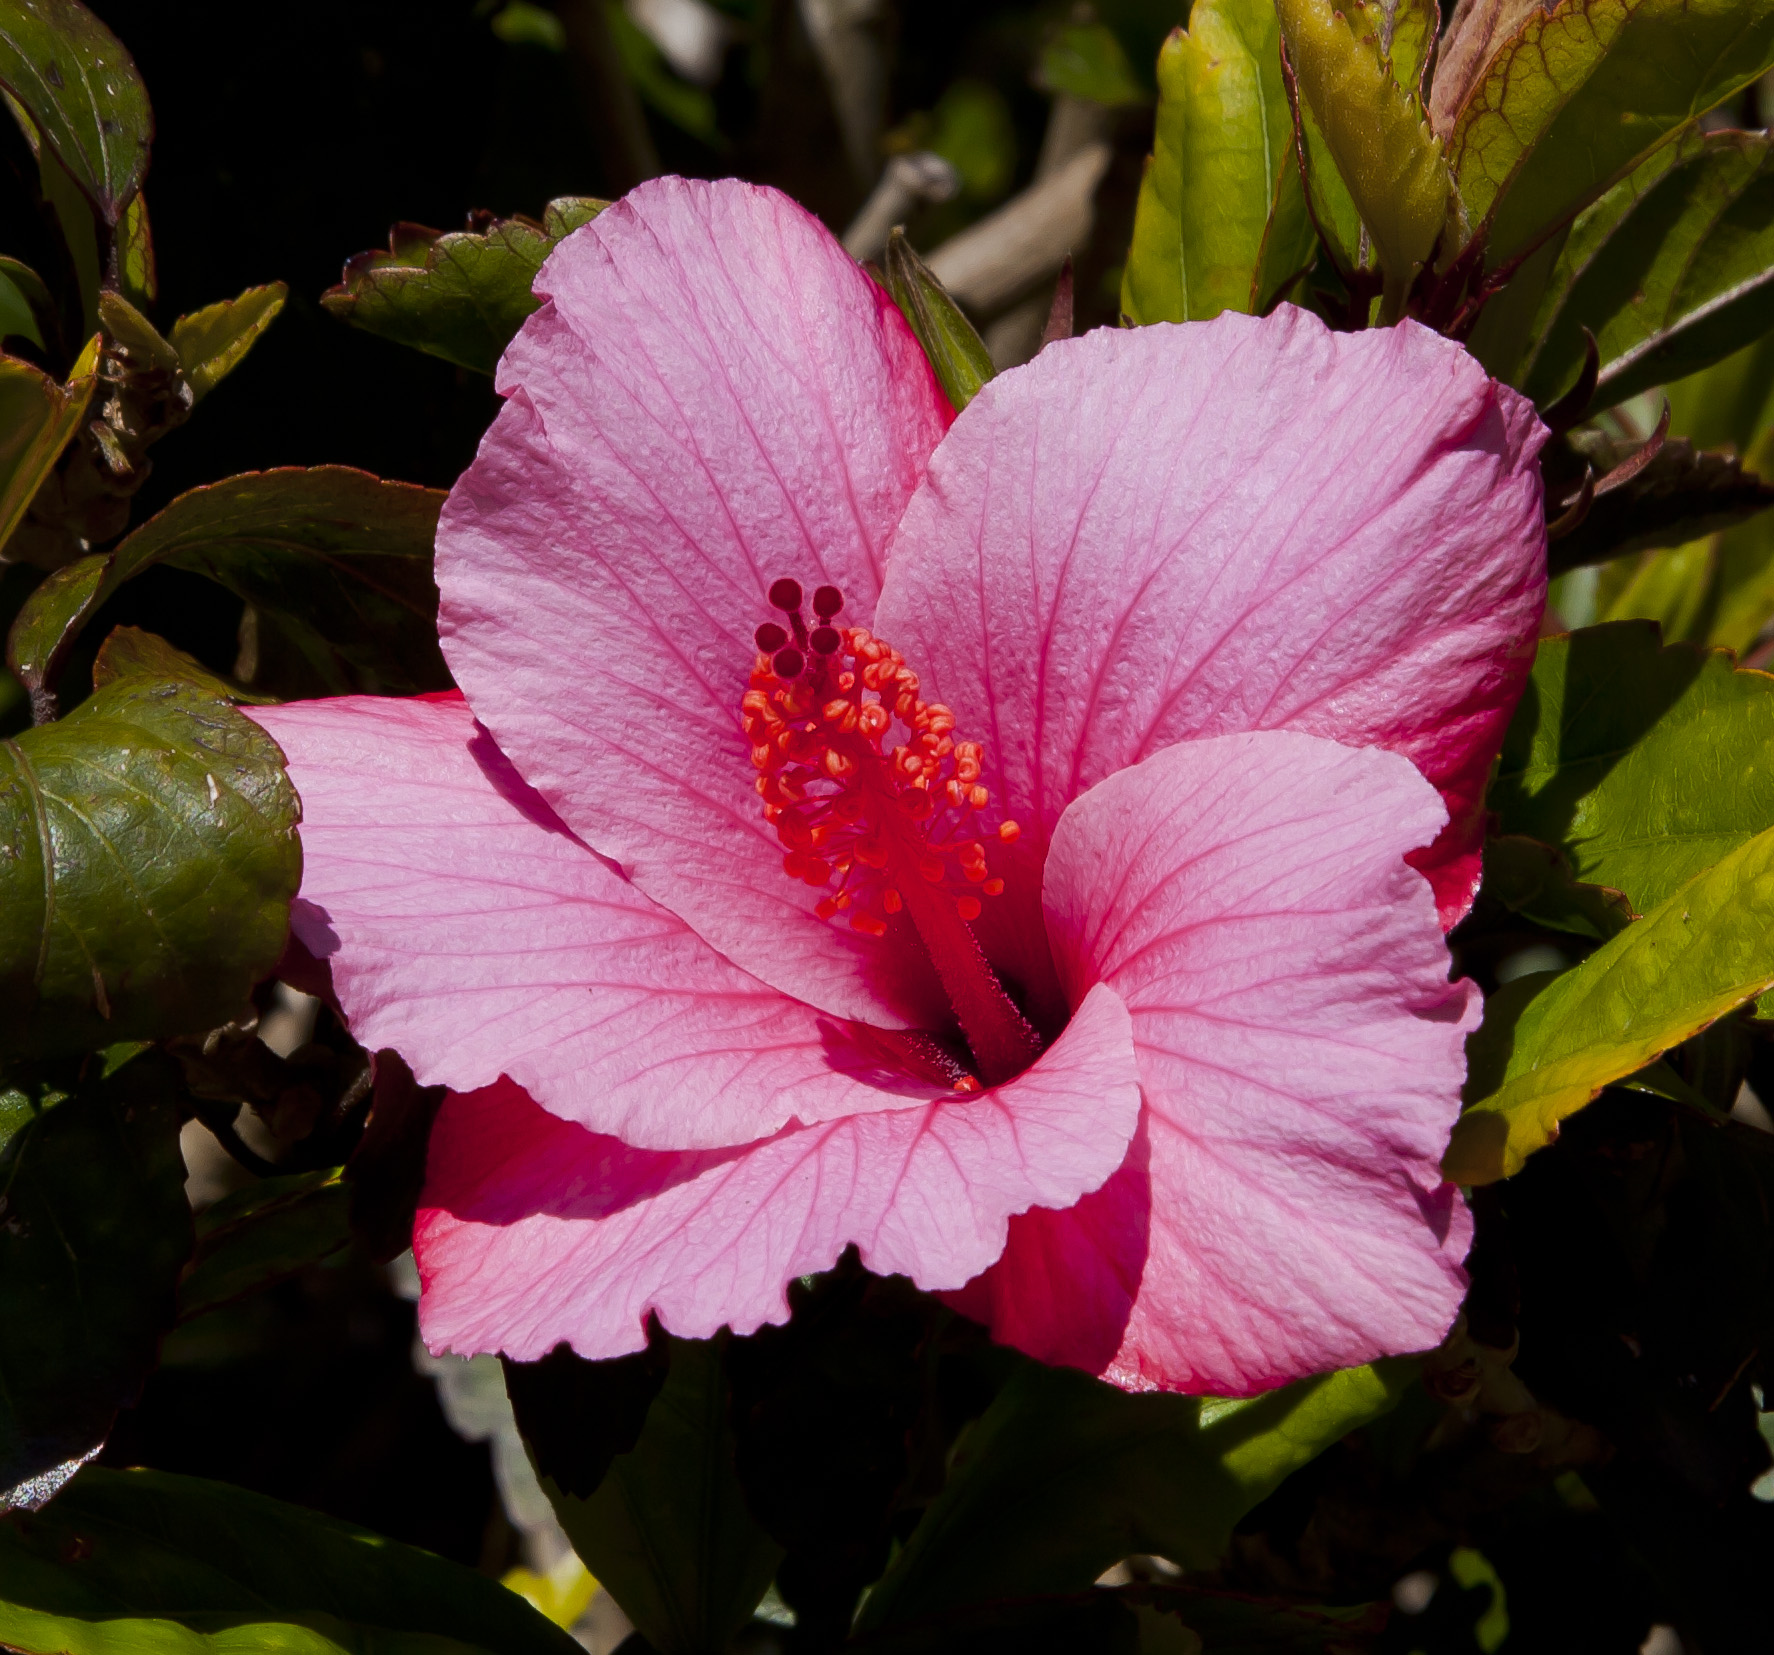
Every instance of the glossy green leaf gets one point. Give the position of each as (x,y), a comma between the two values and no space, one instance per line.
(1223,144)
(83,94)
(212,342)
(1683,275)
(1377,133)
(461,296)
(1704,950)
(38,419)
(1730,403)
(148,856)
(1064,1476)
(1576,98)
(343,559)
(96,1229)
(206,1567)
(261,1234)
(957,354)
(1641,764)
(667,1531)
(1088,61)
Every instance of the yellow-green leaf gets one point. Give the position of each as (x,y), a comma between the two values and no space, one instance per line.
(1064,1476)
(211,342)
(1642,764)
(38,418)
(1577,97)
(1223,143)
(1705,949)
(1670,271)
(1377,133)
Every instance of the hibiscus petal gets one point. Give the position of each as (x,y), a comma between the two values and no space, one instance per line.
(531,1231)
(1168,532)
(714,396)
(470,931)
(1301,1054)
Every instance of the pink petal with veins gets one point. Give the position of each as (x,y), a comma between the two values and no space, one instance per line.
(532,1231)
(1301,1053)
(1161,533)
(714,396)
(470,931)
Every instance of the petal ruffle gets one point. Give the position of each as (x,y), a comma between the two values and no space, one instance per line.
(1301,1054)
(714,396)
(532,1230)
(1169,532)
(470,931)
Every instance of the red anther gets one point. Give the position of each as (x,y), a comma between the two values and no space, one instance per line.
(930,868)
(967,907)
(974,871)
(993,887)
(979,798)
(1009,832)
(770,637)
(825,640)
(891,900)
(785,594)
(868,924)
(967,1083)
(787,663)
(827,601)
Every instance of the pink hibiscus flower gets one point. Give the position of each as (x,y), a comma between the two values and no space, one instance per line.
(983,841)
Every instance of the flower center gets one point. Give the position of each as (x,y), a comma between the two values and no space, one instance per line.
(875,800)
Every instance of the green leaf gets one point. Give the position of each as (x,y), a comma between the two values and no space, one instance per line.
(132,653)
(1223,148)
(261,1234)
(136,266)
(96,1229)
(83,95)
(461,296)
(1642,764)
(1531,879)
(18,315)
(38,419)
(667,1531)
(1064,1476)
(1683,274)
(1377,134)
(148,856)
(662,89)
(971,128)
(1706,949)
(1577,97)
(159,1553)
(343,559)
(1088,61)
(211,342)
(957,353)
